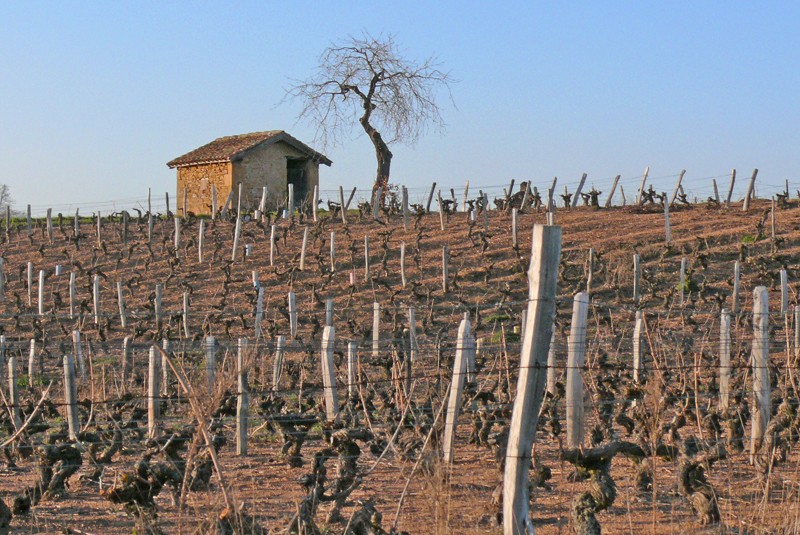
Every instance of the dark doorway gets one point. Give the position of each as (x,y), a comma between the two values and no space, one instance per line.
(296,175)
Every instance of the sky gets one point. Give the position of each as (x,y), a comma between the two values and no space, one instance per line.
(96,97)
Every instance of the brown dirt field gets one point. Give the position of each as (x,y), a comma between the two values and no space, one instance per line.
(487,277)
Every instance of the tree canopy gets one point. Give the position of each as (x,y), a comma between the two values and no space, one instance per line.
(368,80)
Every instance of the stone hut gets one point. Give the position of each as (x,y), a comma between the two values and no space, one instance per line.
(272,159)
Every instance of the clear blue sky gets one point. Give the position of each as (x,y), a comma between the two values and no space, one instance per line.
(96,97)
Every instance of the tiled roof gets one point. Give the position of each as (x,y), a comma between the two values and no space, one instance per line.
(225,148)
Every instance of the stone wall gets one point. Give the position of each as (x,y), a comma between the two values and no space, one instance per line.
(266,166)
(197,179)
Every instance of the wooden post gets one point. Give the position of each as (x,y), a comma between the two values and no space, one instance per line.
(165,345)
(262,206)
(272,246)
(292,316)
(716,189)
(349,200)
(576,358)
(329,373)
(552,366)
(641,188)
(243,400)
(613,189)
(41,292)
(153,393)
(749,194)
(464,205)
(445,269)
(166,196)
(524,203)
(236,233)
(329,311)
(514,224)
(677,187)
(730,189)
(303,249)
(201,240)
(290,202)
(463,347)
(413,346)
(30,283)
(70,396)
(638,358)
(404,196)
(760,362)
(403,263)
(30,226)
(13,392)
(376,328)
(637,274)
(96,296)
(485,212)
(667,231)
(315,202)
(622,193)
(50,225)
(277,367)
(211,362)
(342,210)
(239,201)
(2,286)
(366,258)
(123,318)
(259,313)
(784,293)
(590,271)
(213,202)
(578,191)
(333,252)
(177,237)
(125,221)
(430,198)
(31,362)
(736,276)
(127,362)
(150,226)
(352,366)
(186,314)
(542,278)
(157,305)
(724,359)
(441,209)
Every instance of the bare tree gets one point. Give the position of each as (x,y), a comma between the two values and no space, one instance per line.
(6,199)
(367,79)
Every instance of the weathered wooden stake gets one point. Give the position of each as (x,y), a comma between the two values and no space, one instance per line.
(667,230)
(376,328)
(784,293)
(637,275)
(730,190)
(638,358)
(303,249)
(177,237)
(445,269)
(404,197)
(716,189)
(403,263)
(514,224)
(329,311)
(236,234)
(30,283)
(577,195)
(96,298)
(31,362)
(329,373)
(292,315)
(737,269)
(157,305)
(613,189)
(412,334)
(352,367)
(211,361)
(243,400)
(290,202)
(552,366)
(441,209)
(677,187)
(272,246)
(127,362)
(123,318)
(153,392)
(724,359)
(463,347)
(213,202)
(186,314)
(333,252)
(682,285)
(576,358)
(430,198)
(749,194)
(760,362)
(542,278)
(41,292)
(259,313)
(641,188)
(315,202)
(366,258)
(70,396)
(277,367)
(201,240)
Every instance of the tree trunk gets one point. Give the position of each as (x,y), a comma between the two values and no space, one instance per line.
(382,154)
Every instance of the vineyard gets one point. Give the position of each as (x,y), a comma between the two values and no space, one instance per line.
(356,372)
